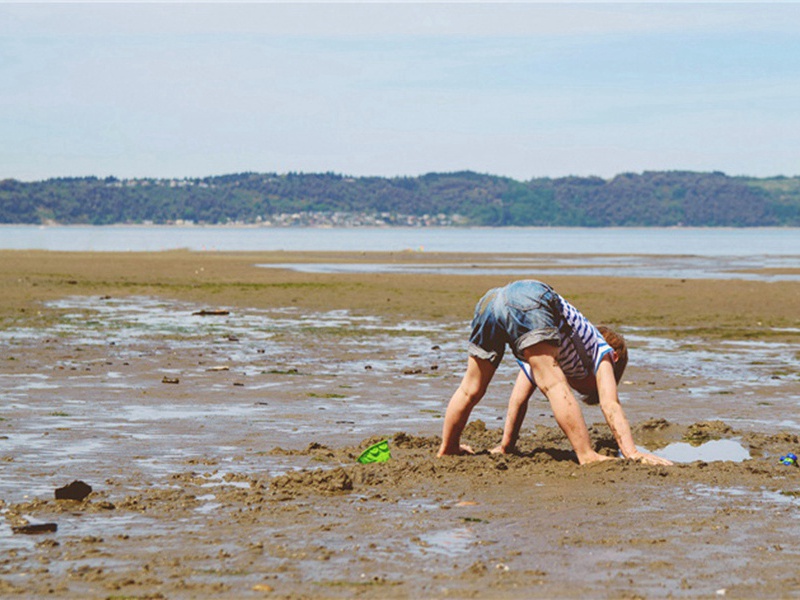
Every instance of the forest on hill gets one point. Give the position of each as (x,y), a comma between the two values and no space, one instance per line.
(661,198)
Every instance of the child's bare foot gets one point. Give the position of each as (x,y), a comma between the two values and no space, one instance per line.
(462,449)
(595,457)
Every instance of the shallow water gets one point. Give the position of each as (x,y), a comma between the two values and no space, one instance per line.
(711,451)
(449,542)
(673,267)
(750,385)
(718,241)
(759,500)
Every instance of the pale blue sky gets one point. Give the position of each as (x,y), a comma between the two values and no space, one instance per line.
(518,89)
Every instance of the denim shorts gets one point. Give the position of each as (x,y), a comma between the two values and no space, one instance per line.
(521,314)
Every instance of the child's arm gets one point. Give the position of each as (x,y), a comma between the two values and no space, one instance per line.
(615,416)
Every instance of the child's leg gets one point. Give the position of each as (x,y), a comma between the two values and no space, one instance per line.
(469,393)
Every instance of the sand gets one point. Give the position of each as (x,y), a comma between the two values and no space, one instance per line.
(222,449)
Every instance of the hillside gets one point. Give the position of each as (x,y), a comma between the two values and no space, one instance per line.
(671,198)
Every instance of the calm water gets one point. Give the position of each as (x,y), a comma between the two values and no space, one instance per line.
(648,241)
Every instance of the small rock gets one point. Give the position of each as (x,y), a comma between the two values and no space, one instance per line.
(170,380)
(77,490)
(35,529)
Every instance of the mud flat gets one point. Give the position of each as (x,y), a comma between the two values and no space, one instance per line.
(217,410)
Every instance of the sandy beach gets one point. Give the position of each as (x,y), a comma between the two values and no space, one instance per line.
(217,410)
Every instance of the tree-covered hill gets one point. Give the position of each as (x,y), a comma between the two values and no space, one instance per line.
(648,199)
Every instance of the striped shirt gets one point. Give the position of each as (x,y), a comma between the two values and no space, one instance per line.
(577,336)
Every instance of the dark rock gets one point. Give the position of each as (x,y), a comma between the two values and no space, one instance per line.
(412,371)
(77,490)
(34,529)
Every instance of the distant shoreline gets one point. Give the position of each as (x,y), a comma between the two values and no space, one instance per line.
(661,199)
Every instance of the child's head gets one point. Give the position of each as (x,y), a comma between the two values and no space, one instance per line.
(617,342)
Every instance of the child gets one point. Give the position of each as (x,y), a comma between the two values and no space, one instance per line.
(559,350)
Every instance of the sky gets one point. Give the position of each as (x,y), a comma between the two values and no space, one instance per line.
(522,89)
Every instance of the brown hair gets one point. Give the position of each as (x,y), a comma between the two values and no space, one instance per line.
(617,342)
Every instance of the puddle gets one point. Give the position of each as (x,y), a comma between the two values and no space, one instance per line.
(135,413)
(222,480)
(449,542)
(711,451)
(756,498)
(208,507)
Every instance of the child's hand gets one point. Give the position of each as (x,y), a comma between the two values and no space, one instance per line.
(650,459)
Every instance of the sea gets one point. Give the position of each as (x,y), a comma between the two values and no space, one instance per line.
(740,253)
(558,240)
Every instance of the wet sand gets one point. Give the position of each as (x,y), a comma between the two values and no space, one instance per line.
(222,448)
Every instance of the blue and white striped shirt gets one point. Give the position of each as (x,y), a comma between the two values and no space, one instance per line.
(576,329)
